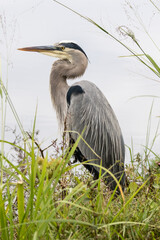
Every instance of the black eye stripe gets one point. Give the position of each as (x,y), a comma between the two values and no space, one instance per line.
(73,46)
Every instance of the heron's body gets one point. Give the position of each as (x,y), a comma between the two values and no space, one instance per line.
(91,110)
(83,106)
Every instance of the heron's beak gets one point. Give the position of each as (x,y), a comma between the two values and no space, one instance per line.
(54,51)
(40,49)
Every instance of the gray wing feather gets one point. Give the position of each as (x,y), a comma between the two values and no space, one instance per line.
(92,111)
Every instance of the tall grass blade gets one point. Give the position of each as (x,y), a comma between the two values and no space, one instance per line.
(21,207)
(3,218)
(40,190)
(13,110)
(153,63)
(33,170)
(116,39)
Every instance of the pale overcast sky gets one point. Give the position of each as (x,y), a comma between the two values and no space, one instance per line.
(30,23)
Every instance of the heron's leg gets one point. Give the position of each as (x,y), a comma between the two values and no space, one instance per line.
(79,157)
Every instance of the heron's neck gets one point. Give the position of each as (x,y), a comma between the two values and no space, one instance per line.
(58,89)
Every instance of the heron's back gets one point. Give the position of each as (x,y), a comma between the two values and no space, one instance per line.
(91,110)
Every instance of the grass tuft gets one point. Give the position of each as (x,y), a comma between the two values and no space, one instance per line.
(59,202)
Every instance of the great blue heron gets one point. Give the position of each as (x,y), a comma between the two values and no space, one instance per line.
(83,106)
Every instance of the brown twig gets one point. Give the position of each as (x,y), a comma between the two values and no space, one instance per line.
(40,149)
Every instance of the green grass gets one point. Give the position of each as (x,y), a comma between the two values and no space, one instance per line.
(50,201)
(44,198)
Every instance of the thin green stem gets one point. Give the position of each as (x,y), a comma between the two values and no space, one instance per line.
(116,39)
(2,126)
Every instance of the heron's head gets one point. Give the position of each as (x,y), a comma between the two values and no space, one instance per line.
(74,59)
(62,50)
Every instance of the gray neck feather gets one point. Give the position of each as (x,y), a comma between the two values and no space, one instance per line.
(58,90)
(60,72)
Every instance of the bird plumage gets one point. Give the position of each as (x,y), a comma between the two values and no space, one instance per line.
(83,106)
(91,110)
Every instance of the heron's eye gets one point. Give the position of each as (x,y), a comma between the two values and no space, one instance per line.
(62,48)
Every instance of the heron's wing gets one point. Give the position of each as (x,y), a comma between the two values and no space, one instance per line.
(88,109)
